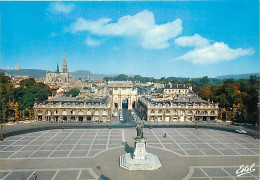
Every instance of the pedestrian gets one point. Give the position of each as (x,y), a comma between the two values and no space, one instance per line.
(164,135)
(34,176)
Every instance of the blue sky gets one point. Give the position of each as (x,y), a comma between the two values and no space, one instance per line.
(184,39)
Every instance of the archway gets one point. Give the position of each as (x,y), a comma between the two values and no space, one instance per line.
(80,116)
(64,115)
(72,115)
(89,114)
(39,115)
(125,103)
(96,116)
(56,115)
(133,104)
(116,105)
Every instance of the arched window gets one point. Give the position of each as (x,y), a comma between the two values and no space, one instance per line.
(80,113)
(64,113)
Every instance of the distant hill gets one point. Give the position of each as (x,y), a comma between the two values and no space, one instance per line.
(238,76)
(35,73)
(87,74)
(38,73)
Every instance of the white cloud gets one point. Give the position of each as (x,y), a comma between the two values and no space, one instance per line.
(214,53)
(61,8)
(92,42)
(141,26)
(192,41)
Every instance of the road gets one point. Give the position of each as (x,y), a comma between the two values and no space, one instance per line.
(127,117)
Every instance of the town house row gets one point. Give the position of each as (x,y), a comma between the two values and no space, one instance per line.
(177,110)
(73,109)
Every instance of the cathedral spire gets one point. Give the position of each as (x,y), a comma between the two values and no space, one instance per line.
(64,64)
(58,68)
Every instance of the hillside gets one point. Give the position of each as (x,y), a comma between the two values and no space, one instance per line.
(238,76)
(35,73)
(38,73)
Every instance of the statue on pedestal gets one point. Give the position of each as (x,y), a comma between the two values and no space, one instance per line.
(139,130)
(140,159)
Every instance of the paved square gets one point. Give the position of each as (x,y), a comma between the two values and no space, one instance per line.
(224,173)
(59,143)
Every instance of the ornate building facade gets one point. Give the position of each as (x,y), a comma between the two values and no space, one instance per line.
(123,91)
(59,77)
(177,103)
(73,109)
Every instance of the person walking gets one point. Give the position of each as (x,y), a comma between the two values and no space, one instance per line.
(164,135)
(34,176)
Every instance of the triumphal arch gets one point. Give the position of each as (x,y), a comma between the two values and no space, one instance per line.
(123,93)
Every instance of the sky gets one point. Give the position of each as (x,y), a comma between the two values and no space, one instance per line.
(155,39)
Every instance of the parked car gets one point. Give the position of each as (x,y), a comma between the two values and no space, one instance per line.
(114,114)
(121,119)
(241,131)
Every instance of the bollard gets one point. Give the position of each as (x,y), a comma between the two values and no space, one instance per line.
(62,126)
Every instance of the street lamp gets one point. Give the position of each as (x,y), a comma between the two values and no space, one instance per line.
(197,124)
(110,119)
(1,133)
(256,130)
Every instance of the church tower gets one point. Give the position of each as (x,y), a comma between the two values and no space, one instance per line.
(64,64)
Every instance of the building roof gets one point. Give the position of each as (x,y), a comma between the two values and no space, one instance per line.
(186,100)
(175,86)
(64,99)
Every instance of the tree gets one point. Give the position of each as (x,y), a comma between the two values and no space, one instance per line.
(206,93)
(25,83)
(6,91)
(27,94)
(122,77)
(204,81)
(73,92)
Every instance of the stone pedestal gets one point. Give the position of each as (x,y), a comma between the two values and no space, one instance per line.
(140,160)
(140,151)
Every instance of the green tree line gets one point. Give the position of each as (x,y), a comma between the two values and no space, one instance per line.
(229,93)
(25,95)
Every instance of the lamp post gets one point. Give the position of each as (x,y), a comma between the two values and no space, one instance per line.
(1,133)
(256,130)
(150,124)
(110,119)
(197,124)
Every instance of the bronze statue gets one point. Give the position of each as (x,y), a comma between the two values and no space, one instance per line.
(139,129)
